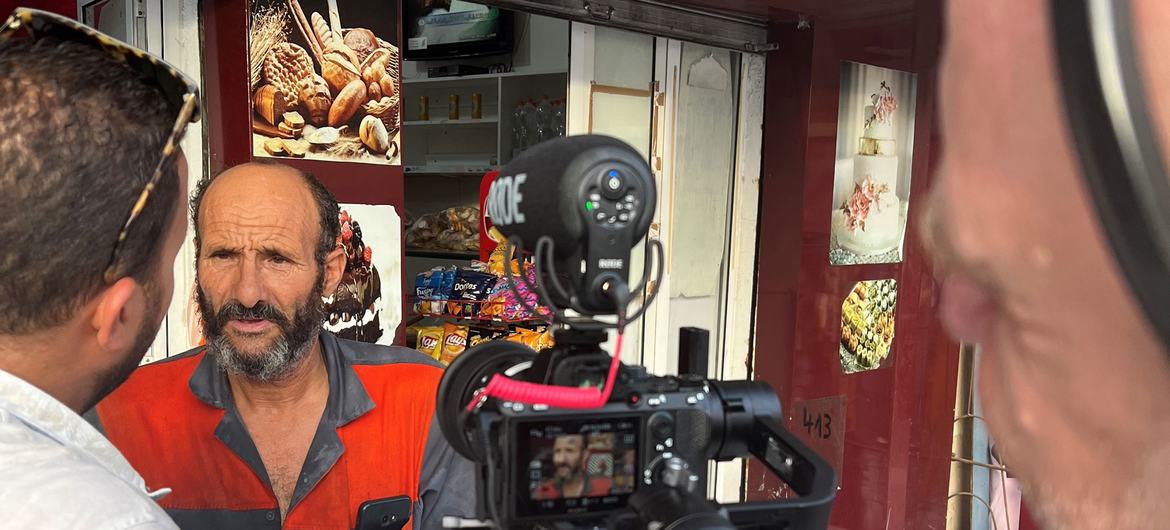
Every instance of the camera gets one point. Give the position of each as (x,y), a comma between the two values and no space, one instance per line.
(572,438)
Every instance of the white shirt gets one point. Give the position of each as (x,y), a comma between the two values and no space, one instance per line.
(57,471)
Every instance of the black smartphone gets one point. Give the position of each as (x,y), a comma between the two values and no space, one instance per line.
(384,514)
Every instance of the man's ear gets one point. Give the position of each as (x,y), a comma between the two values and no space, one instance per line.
(118,314)
(334,269)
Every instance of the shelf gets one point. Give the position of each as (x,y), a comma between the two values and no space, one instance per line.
(442,254)
(530,322)
(468,121)
(471,78)
(446,170)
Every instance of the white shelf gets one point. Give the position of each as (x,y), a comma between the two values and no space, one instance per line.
(477,77)
(465,121)
(445,170)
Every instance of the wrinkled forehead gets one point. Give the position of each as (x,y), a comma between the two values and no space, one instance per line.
(259,200)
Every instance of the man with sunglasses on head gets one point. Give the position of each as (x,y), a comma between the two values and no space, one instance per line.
(91,219)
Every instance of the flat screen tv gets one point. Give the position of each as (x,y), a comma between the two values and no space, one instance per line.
(442,29)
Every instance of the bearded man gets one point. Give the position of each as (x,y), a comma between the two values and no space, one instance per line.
(276,423)
(570,480)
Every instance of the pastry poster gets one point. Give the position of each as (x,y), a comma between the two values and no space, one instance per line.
(871,181)
(325,80)
(867,325)
(367,304)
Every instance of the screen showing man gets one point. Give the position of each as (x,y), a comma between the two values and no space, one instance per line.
(570,479)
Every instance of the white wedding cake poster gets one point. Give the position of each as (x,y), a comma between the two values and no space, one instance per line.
(875,150)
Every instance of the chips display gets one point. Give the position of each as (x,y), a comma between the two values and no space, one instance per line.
(454,342)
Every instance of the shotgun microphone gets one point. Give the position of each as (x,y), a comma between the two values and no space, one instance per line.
(590,198)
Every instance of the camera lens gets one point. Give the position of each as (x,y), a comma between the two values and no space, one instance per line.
(613,185)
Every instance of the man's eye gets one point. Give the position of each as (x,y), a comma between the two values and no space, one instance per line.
(280,260)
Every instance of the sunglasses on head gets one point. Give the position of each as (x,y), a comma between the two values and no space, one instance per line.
(181,93)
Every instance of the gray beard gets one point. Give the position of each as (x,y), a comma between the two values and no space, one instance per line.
(272,365)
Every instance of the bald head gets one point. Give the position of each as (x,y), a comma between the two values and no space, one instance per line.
(279,189)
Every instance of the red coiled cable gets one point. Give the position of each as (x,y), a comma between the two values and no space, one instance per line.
(501,387)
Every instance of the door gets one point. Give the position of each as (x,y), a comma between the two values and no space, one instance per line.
(695,112)
(141,23)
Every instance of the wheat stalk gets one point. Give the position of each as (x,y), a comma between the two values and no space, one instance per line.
(269,28)
(347,147)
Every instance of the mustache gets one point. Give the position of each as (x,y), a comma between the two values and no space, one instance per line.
(234,310)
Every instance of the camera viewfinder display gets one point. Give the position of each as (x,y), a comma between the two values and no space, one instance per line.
(576,466)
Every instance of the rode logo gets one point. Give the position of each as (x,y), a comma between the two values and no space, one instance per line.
(428,343)
(610,263)
(504,198)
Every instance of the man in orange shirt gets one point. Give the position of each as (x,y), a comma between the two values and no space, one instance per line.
(276,423)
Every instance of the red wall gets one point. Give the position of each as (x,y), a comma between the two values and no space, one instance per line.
(897,433)
(64,7)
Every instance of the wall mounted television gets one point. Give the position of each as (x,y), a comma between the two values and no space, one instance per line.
(444,29)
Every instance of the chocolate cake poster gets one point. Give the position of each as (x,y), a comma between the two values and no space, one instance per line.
(875,151)
(325,80)
(367,305)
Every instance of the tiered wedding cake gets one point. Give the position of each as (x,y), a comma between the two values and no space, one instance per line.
(869,222)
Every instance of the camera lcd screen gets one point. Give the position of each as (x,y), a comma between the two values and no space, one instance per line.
(575,466)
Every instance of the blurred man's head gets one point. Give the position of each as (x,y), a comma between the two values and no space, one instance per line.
(1074,383)
(567,451)
(266,242)
(80,135)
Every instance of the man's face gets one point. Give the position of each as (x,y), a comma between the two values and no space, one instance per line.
(258,282)
(1069,369)
(567,455)
(158,291)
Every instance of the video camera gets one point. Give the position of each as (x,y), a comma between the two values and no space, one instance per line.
(570,437)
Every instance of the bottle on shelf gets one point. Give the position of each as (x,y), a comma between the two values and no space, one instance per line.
(530,123)
(558,118)
(543,120)
(519,133)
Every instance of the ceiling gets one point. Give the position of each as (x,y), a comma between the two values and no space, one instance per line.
(824,9)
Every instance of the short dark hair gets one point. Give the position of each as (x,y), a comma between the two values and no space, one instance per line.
(80,135)
(326,204)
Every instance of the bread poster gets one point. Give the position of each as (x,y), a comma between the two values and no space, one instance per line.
(326,80)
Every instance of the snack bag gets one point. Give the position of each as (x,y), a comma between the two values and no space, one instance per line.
(470,288)
(422,292)
(454,342)
(476,338)
(446,285)
(545,340)
(430,340)
(527,337)
(497,258)
(431,288)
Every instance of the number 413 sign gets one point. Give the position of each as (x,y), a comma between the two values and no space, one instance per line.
(820,423)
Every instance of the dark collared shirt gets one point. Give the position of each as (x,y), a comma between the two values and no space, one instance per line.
(377,438)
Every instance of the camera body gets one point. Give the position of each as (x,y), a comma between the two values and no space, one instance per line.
(640,458)
(654,432)
(552,452)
